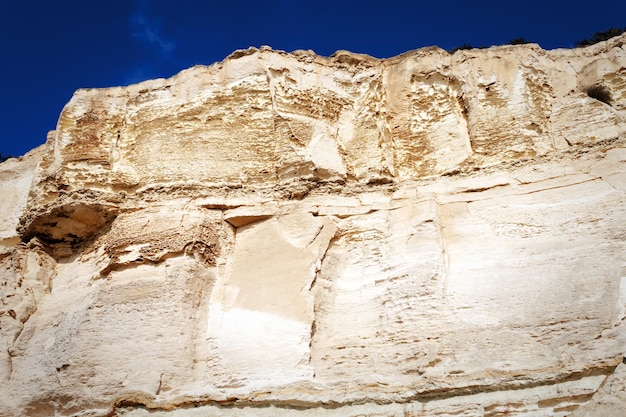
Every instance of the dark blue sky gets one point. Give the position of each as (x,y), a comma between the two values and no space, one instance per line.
(51,48)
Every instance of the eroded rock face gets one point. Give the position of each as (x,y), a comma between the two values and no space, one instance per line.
(287,234)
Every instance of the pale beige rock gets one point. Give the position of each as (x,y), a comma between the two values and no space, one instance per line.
(288,234)
(609,400)
(16,176)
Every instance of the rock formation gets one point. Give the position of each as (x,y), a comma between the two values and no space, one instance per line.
(285,234)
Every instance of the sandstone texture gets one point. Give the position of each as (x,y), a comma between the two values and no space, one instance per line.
(285,234)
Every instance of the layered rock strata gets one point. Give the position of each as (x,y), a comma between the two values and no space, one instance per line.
(285,234)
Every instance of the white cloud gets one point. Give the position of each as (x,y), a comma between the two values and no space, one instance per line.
(147,29)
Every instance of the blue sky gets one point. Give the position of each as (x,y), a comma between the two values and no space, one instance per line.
(51,48)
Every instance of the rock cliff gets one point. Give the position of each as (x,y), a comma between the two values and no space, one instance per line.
(285,234)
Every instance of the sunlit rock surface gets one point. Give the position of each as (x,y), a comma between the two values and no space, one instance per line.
(293,235)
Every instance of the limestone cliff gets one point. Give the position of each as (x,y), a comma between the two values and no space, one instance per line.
(284,234)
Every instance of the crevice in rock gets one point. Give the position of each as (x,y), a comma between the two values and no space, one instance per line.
(609,184)
(560,186)
(158,390)
(201,251)
(481,189)
(65,227)
(320,262)
(311,336)
(516,383)
(258,400)
(318,270)
(10,362)
(443,244)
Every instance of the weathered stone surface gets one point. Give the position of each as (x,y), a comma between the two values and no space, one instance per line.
(288,234)
(16,175)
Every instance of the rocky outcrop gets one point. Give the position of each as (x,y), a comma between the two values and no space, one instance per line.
(288,234)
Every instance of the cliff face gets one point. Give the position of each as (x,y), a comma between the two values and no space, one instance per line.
(287,234)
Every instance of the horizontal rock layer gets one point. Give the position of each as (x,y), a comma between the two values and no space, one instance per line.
(288,234)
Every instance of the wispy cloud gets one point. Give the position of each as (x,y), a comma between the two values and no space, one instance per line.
(146,28)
